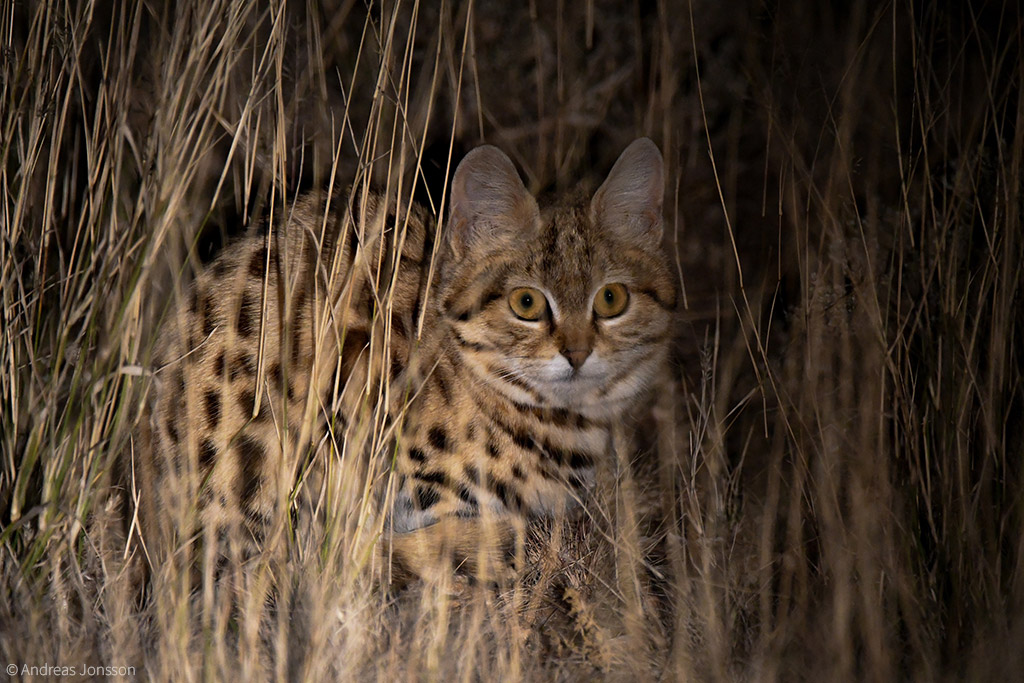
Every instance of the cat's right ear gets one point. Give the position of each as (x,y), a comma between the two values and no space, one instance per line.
(490,206)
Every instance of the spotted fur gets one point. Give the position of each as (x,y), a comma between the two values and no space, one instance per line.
(282,346)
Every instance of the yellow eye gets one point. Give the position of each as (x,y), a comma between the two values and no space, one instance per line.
(611,300)
(527,303)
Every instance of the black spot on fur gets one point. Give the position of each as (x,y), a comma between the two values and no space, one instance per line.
(472,473)
(179,381)
(518,473)
(248,315)
(246,401)
(438,438)
(555,455)
(417,304)
(258,263)
(218,365)
(277,380)
(508,496)
(470,432)
(351,348)
(221,266)
(579,460)
(426,496)
(432,477)
(212,402)
(251,455)
(492,449)
(243,364)
(417,455)
(523,440)
(559,417)
(172,431)
(207,454)
(398,325)
(519,438)
(209,314)
(442,386)
(466,496)
(396,368)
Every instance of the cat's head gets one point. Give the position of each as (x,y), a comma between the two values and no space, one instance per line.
(570,307)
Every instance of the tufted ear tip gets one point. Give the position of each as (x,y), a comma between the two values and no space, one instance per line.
(630,199)
(488,199)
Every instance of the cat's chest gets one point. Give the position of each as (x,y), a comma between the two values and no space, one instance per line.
(467,449)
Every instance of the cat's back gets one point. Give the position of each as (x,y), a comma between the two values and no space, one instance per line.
(274,341)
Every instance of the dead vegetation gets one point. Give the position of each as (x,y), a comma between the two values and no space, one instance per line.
(830,487)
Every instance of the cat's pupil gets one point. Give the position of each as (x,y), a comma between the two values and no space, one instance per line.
(609,295)
(526,301)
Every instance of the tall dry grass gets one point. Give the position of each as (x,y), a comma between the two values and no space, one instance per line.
(828,490)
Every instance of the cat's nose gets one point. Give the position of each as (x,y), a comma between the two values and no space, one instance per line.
(576,357)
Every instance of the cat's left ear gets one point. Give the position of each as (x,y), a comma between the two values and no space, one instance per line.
(630,200)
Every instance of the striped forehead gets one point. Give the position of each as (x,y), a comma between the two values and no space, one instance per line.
(569,254)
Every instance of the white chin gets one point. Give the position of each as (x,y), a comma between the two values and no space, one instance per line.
(585,395)
(578,394)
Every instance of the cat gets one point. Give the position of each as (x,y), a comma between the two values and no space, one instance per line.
(486,358)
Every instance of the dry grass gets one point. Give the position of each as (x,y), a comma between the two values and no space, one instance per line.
(830,489)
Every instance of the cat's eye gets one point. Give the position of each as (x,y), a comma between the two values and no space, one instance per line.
(611,300)
(527,303)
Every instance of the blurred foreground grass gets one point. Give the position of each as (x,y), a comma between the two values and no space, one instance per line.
(831,490)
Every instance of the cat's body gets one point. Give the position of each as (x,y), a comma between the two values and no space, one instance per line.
(501,358)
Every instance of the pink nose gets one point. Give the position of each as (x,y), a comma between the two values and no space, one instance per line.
(576,357)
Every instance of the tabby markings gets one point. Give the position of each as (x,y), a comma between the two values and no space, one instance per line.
(438,438)
(212,401)
(247,315)
(251,455)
